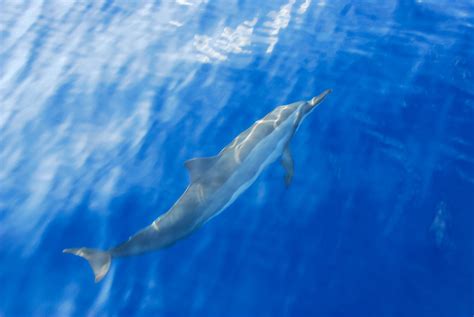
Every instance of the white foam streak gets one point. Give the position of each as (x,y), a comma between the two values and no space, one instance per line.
(229,41)
(279,20)
(304,7)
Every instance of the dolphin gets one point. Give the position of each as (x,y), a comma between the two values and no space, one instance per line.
(215,183)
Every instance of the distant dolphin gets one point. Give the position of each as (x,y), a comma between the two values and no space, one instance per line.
(216,182)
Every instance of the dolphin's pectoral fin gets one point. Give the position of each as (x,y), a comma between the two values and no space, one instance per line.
(199,165)
(287,162)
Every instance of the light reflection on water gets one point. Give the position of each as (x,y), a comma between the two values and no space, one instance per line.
(101,102)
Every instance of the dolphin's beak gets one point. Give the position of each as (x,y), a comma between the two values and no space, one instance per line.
(317,100)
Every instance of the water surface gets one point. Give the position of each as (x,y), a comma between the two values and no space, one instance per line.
(103,101)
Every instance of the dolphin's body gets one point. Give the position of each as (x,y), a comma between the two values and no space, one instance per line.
(215,183)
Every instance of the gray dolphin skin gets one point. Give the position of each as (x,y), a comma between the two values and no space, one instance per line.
(215,183)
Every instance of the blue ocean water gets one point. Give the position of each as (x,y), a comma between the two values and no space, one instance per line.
(103,101)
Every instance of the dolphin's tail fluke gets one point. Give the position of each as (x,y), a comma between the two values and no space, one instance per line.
(98,260)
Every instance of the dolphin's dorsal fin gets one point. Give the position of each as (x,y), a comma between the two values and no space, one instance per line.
(198,166)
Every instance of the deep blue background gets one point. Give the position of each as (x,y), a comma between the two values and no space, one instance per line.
(102,102)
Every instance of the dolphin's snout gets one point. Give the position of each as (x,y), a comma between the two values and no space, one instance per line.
(317,100)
